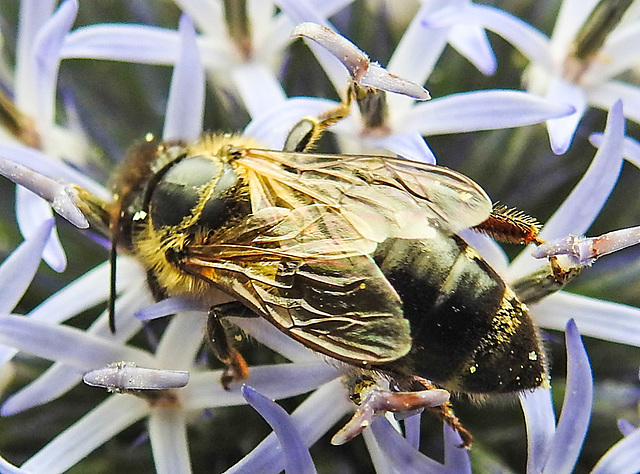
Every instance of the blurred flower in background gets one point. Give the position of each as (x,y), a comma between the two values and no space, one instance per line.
(253,71)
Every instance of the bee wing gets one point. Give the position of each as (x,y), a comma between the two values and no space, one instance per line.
(381,197)
(331,297)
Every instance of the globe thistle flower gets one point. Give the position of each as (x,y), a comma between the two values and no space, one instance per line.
(148,381)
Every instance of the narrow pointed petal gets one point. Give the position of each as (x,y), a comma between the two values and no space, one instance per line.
(185,105)
(455,458)
(580,208)
(407,145)
(480,110)
(168,435)
(597,318)
(296,454)
(608,93)
(46,55)
(19,268)
(53,341)
(31,212)
(626,427)
(472,43)
(531,42)
(622,458)
(405,457)
(313,418)
(540,421)
(562,130)
(276,382)
(412,430)
(90,432)
(258,88)
(181,340)
(117,42)
(168,307)
(576,408)
(621,53)
(630,150)
(33,15)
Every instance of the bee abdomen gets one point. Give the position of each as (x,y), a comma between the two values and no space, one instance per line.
(469,331)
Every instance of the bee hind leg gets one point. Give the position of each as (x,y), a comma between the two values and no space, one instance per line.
(373,400)
(236,368)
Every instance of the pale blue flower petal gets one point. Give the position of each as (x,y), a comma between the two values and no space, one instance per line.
(597,318)
(185,105)
(540,421)
(480,110)
(576,407)
(181,340)
(531,42)
(168,307)
(609,92)
(455,458)
(580,208)
(380,461)
(561,130)
(275,381)
(7,468)
(169,444)
(90,432)
(258,88)
(412,430)
(46,54)
(296,455)
(119,42)
(571,17)
(19,268)
(490,250)
(33,15)
(619,53)
(207,15)
(472,43)
(54,169)
(273,127)
(31,212)
(630,150)
(622,458)
(405,458)
(407,145)
(313,418)
(626,427)
(53,342)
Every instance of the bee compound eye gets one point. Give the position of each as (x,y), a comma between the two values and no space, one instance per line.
(180,189)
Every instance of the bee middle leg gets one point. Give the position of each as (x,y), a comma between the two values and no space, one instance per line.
(219,342)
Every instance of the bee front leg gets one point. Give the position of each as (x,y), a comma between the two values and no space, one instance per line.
(236,368)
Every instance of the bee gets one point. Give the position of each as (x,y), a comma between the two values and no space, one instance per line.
(355,256)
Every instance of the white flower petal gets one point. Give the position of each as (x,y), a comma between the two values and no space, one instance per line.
(258,87)
(561,130)
(584,203)
(605,95)
(90,432)
(181,340)
(618,54)
(540,421)
(622,458)
(118,42)
(407,145)
(168,435)
(185,105)
(471,42)
(480,110)
(597,318)
(275,381)
(531,42)
(19,268)
(31,212)
(571,18)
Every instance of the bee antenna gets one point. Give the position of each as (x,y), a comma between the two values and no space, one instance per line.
(111,307)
